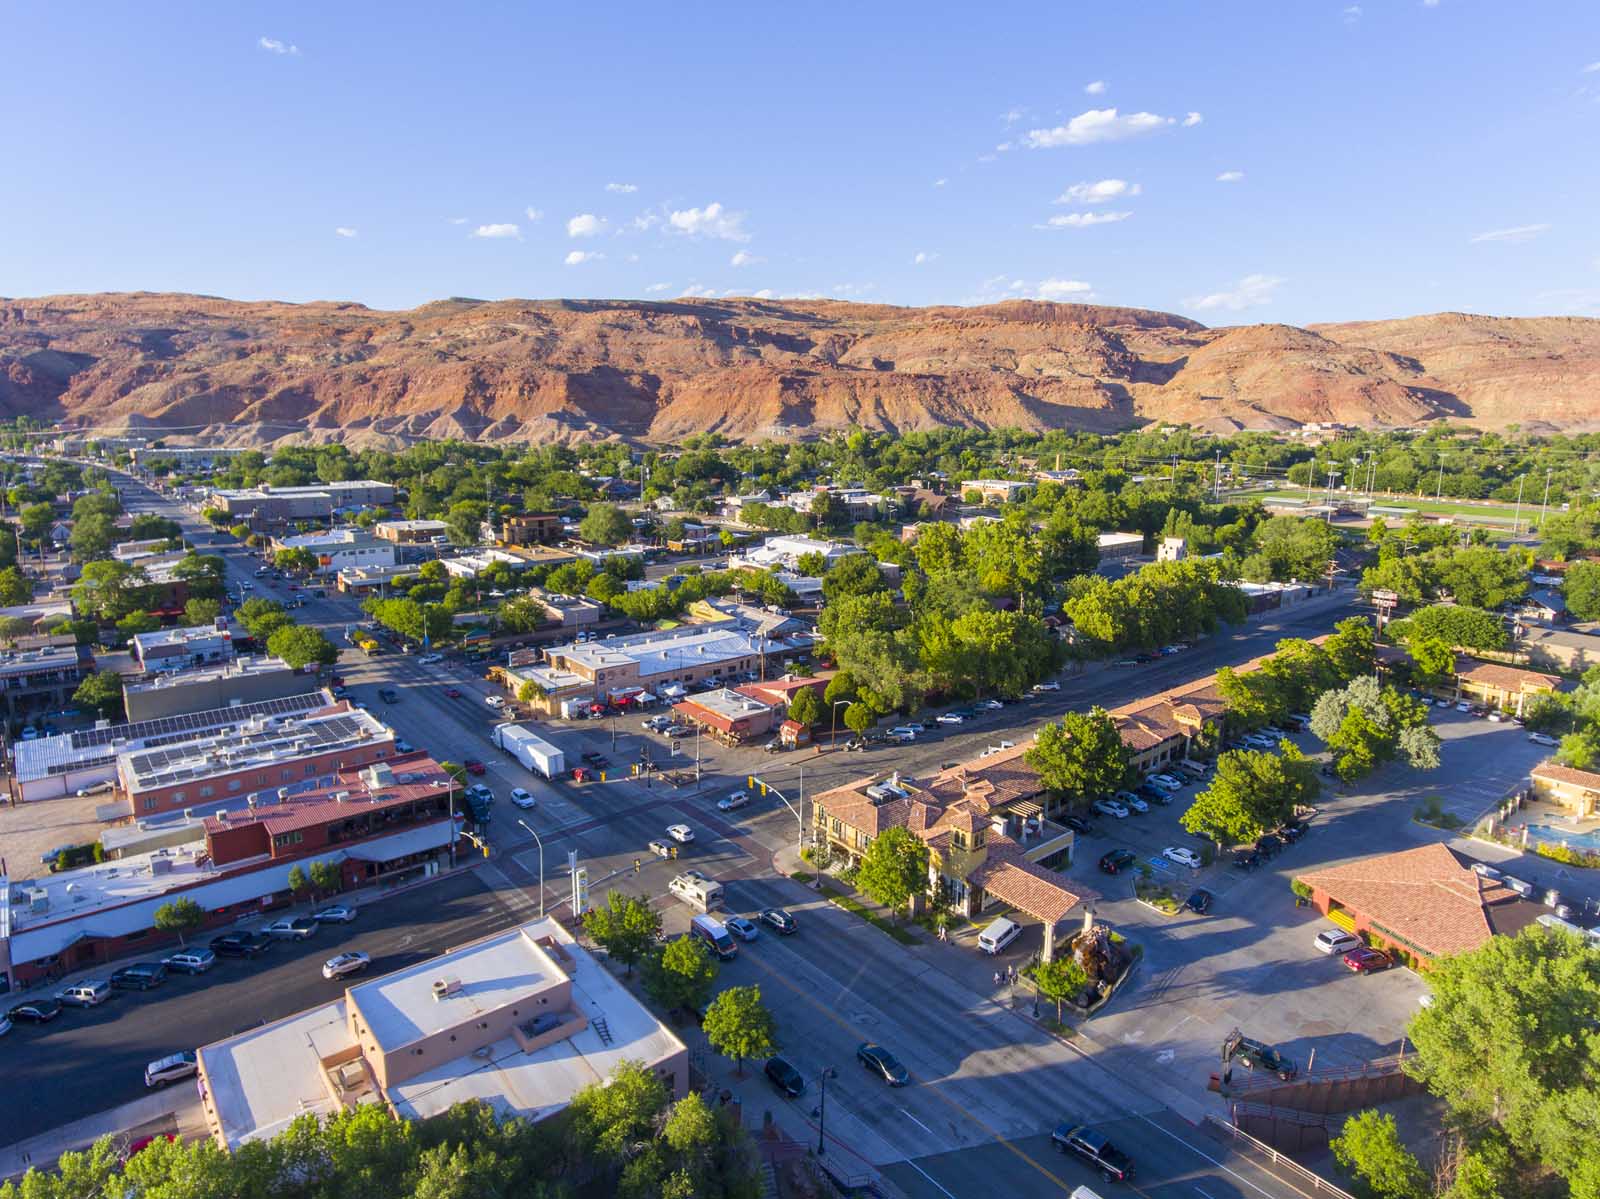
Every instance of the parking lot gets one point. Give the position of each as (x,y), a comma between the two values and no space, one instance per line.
(29,831)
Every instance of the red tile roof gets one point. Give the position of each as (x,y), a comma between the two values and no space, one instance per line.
(1557,773)
(1424,896)
(415,778)
(1010,877)
(1506,678)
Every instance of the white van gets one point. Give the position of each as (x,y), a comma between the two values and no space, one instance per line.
(715,935)
(998,935)
(696,890)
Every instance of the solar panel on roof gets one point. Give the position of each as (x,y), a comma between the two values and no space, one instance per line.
(191,721)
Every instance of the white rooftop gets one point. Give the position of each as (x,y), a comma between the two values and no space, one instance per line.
(339,537)
(262,1080)
(201,633)
(50,657)
(665,653)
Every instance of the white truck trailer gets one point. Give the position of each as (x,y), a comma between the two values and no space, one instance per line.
(534,752)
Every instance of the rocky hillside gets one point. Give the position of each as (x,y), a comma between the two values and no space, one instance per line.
(751,369)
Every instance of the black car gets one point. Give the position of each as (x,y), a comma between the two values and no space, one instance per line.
(1113,862)
(1094,1148)
(1292,832)
(1246,859)
(782,1074)
(141,976)
(881,1062)
(1078,825)
(779,919)
(1153,794)
(1268,845)
(388,695)
(35,1011)
(1199,902)
(241,945)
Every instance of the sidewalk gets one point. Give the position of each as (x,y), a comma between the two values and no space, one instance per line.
(174,1111)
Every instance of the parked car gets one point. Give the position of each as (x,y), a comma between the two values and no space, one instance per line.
(950,718)
(473,766)
(388,695)
(681,833)
(35,1011)
(1543,739)
(429,659)
(141,976)
(878,1060)
(902,733)
(1199,902)
(1246,859)
(292,928)
(166,1070)
(742,927)
(782,1074)
(1367,960)
(452,692)
(351,962)
(522,798)
(495,701)
(1095,1148)
(90,992)
(1040,688)
(733,802)
(1110,807)
(1135,802)
(190,961)
(1167,782)
(1182,855)
(1336,940)
(1268,845)
(1116,860)
(662,850)
(335,914)
(779,919)
(1078,825)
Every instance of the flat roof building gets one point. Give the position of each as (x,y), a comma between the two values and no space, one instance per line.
(520,1020)
(732,715)
(340,549)
(266,507)
(182,649)
(43,677)
(409,531)
(1114,546)
(362,580)
(205,688)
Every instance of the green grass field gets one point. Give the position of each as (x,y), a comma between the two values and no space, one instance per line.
(1489,513)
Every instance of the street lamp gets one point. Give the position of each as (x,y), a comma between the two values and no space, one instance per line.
(833,717)
(822,1108)
(540,844)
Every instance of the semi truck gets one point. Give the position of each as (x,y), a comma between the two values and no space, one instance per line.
(534,752)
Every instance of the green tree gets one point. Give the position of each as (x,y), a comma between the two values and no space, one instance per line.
(1468,628)
(1581,590)
(36,521)
(101,691)
(1352,647)
(738,1025)
(262,617)
(324,876)
(1082,758)
(296,560)
(92,536)
(181,916)
(297,880)
(805,707)
(680,977)
(1369,1146)
(135,623)
(605,524)
(109,590)
(624,928)
(858,718)
(200,611)
(1366,725)
(1435,660)
(1253,791)
(15,588)
(300,646)
(894,869)
(840,686)
(531,692)
(1059,979)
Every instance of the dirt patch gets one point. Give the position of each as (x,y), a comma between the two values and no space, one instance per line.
(30,830)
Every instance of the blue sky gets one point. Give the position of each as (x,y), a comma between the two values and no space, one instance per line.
(1287,161)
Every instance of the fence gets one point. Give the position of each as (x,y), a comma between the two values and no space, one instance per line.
(1247,1144)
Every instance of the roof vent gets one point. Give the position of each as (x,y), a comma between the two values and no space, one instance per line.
(444,988)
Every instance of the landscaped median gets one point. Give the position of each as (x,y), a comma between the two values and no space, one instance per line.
(855,907)
(1156,895)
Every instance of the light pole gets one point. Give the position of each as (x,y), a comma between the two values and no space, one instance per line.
(1516,520)
(833,729)
(1438,491)
(1545,505)
(540,844)
(822,1108)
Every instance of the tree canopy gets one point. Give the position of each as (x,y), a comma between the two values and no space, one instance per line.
(1082,758)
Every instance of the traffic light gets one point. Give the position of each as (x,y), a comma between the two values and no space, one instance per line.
(763,788)
(750,781)
(636,865)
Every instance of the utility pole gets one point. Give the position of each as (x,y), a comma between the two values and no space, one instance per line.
(1516,520)
(1438,492)
(1216,493)
(1545,506)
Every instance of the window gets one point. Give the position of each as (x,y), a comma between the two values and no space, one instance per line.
(150,804)
(234,784)
(178,796)
(205,792)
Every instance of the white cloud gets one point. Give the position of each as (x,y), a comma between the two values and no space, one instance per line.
(1003,147)
(1430,3)
(1352,14)
(1100,192)
(1230,176)
(586,224)
(744,258)
(345,231)
(923,256)
(1250,292)
(1192,119)
(505,230)
(658,287)
(644,223)
(273,46)
(1515,233)
(940,182)
(456,220)
(1012,115)
(579,257)
(1591,68)
(1082,220)
(764,294)
(1097,88)
(1098,125)
(1062,289)
(696,291)
(533,214)
(711,221)
(622,189)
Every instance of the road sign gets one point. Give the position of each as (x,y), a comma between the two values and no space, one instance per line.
(580,891)
(1385,599)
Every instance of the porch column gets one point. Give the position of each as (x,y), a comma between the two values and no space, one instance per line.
(1049,951)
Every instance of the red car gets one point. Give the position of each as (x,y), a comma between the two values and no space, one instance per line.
(453,692)
(1367,960)
(473,766)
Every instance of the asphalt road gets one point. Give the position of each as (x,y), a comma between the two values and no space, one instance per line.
(89,1059)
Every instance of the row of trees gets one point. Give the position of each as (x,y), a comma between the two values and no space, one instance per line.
(1478,576)
(1163,603)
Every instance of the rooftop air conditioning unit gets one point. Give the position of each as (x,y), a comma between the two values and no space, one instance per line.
(443,988)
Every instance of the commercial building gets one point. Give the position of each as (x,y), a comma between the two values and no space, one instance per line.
(731,716)
(1426,902)
(473,564)
(368,580)
(266,507)
(374,825)
(989,839)
(134,551)
(50,767)
(42,676)
(520,1020)
(995,491)
(409,532)
(531,528)
(340,549)
(41,614)
(1114,547)
(568,611)
(1505,687)
(185,457)
(185,648)
(786,552)
(1578,791)
(207,688)
(265,751)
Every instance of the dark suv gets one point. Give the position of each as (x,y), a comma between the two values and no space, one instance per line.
(1094,1148)
(1114,861)
(782,1074)
(241,945)
(1257,1056)
(141,976)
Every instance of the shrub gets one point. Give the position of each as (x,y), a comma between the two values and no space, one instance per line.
(1301,889)
(1567,856)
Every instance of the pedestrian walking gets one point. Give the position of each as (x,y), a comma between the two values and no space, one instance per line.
(997,978)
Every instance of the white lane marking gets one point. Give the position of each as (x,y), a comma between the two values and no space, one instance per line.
(918,1123)
(1219,1165)
(1202,1192)
(928,1176)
